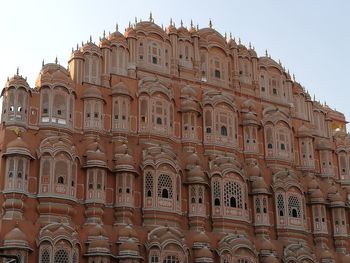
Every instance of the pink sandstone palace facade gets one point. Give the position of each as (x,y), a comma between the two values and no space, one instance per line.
(171,146)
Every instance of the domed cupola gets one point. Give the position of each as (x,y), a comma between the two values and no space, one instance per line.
(116,36)
(15,101)
(18,147)
(16,238)
(123,159)
(53,74)
(128,245)
(95,156)
(259,186)
(98,244)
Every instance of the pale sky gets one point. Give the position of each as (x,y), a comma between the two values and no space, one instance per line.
(311,38)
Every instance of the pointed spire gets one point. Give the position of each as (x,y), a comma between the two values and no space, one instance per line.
(239,41)
(230,35)
(197,27)
(129,24)
(250,45)
(293,77)
(210,24)
(42,63)
(150,17)
(279,62)
(104,33)
(181,23)
(225,36)
(266,54)
(116,27)
(191,23)
(171,21)
(90,38)
(17,71)
(77,46)
(162,26)
(135,20)
(56,60)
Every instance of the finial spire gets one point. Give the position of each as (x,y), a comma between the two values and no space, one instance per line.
(225,36)
(90,38)
(210,24)
(230,35)
(104,33)
(293,77)
(135,20)
(116,27)
(17,71)
(150,17)
(266,54)
(250,45)
(42,63)
(181,23)
(197,27)
(77,46)
(171,21)
(56,60)
(239,41)
(191,23)
(129,24)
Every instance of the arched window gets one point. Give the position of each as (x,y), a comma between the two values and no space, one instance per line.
(280,204)
(171,259)
(165,186)
(223,131)
(61,256)
(45,256)
(149,185)
(294,206)
(208,121)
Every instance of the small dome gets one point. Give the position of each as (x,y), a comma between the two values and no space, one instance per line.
(104,42)
(121,149)
(266,244)
(203,253)
(193,159)
(171,29)
(313,184)
(18,146)
(125,159)
(99,245)
(270,259)
(129,246)
(116,36)
(332,189)
(249,116)
(336,198)
(325,254)
(259,185)
(15,234)
(130,32)
(232,43)
(304,131)
(189,105)
(196,175)
(317,195)
(127,231)
(52,73)
(97,231)
(253,53)
(18,143)
(254,171)
(120,89)
(92,92)
(95,155)
(17,81)
(201,237)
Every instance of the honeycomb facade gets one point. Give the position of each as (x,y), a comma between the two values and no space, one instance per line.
(171,145)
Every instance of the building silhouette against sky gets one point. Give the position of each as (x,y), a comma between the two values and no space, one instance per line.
(171,145)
